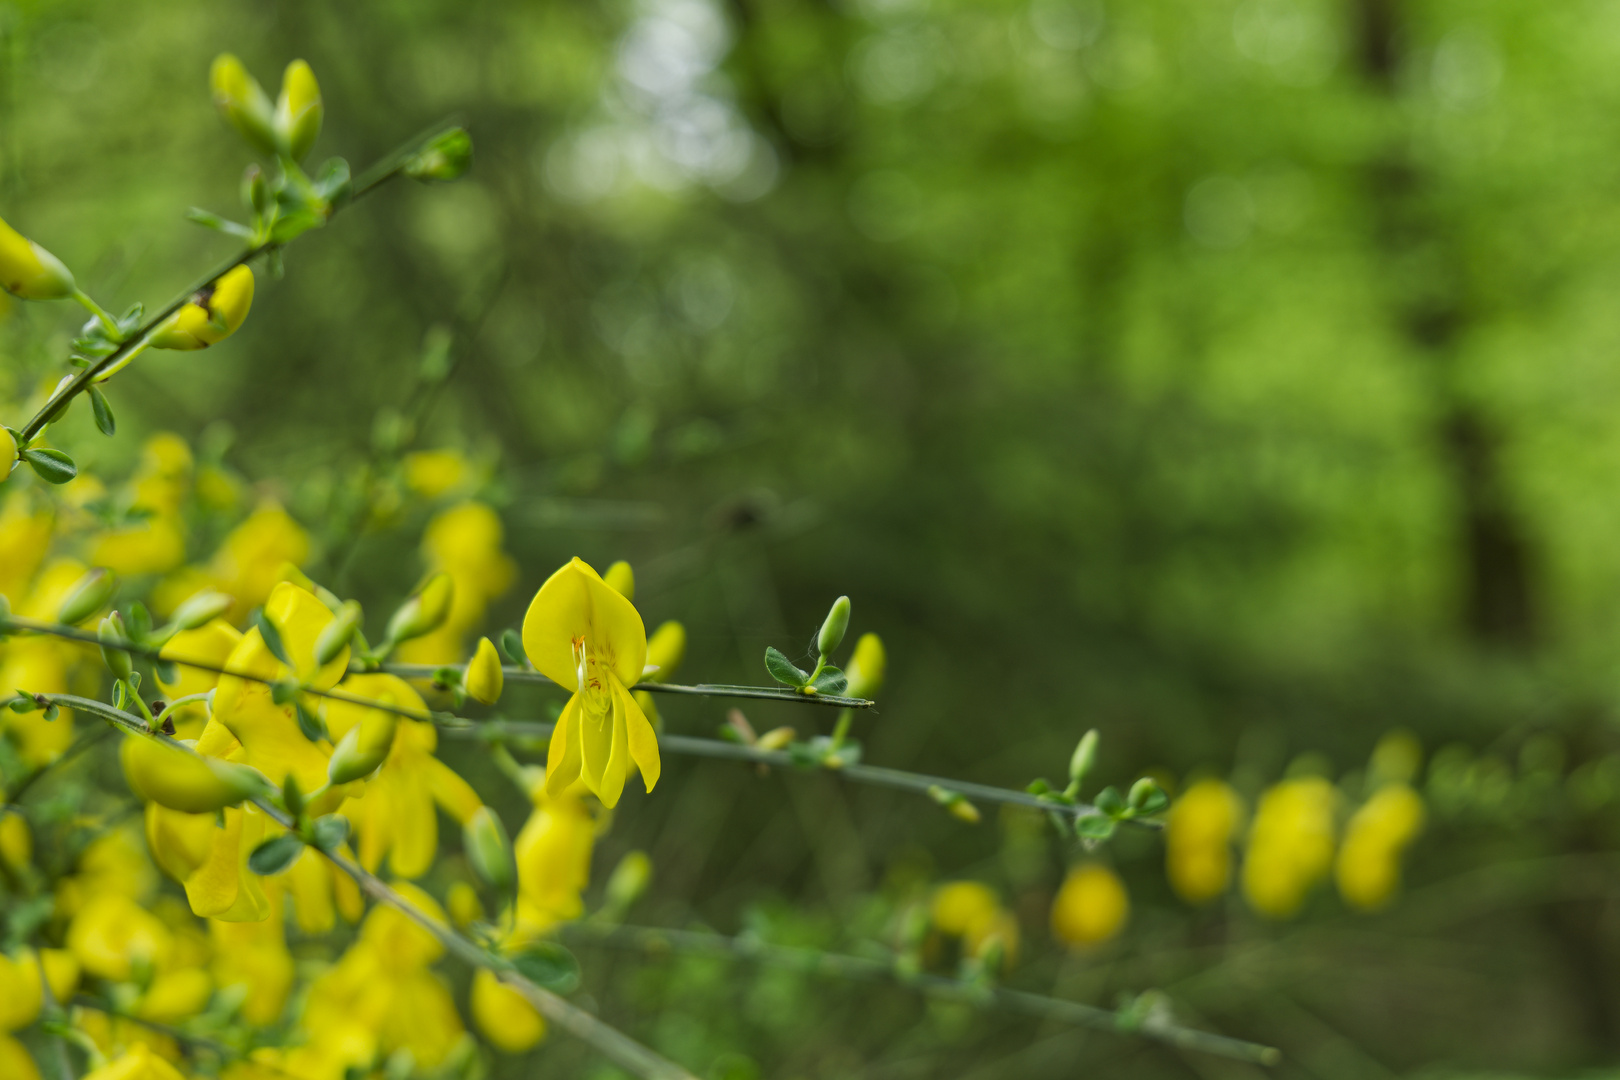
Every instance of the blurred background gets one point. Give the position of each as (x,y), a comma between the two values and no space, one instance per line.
(1236,378)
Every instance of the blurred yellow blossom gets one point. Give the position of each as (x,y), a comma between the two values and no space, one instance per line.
(1369,863)
(1290,845)
(1198,836)
(432,473)
(248,565)
(1091,906)
(464,542)
(504,1016)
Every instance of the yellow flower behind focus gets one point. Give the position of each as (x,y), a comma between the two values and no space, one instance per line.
(1198,840)
(212,315)
(249,563)
(1368,870)
(210,644)
(553,855)
(432,473)
(580,633)
(139,1062)
(21,993)
(464,542)
(1290,845)
(15,1061)
(254,956)
(112,936)
(25,539)
(504,1016)
(1091,907)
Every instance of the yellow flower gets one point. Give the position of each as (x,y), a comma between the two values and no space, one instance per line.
(210,644)
(153,546)
(25,538)
(112,863)
(112,936)
(1198,840)
(484,679)
(250,561)
(38,666)
(505,1016)
(464,542)
(553,855)
(1091,906)
(298,110)
(1369,863)
(964,909)
(137,1063)
(21,994)
(30,272)
(15,1061)
(8,453)
(181,781)
(212,315)
(175,995)
(582,634)
(395,815)
(16,842)
(271,739)
(254,956)
(243,102)
(1290,845)
(319,891)
(431,473)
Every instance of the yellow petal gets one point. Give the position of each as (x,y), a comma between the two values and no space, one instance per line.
(504,1016)
(562,756)
(596,752)
(15,1061)
(643,740)
(576,604)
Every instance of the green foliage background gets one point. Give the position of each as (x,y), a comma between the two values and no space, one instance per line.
(1236,378)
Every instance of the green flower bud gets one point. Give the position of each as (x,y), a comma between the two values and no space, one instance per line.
(833,627)
(444,159)
(242,101)
(111,633)
(425,611)
(365,746)
(201,609)
(484,679)
(1147,797)
(298,110)
(28,271)
(621,579)
(336,636)
(255,189)
(89,595)
(1084,757)
(866,667)
(488,849)
(628,882)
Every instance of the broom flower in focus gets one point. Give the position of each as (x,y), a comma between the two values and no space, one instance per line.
(28,271)
(212,315)
(581,632)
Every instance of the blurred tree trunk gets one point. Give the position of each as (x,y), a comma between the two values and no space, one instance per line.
(1498,583)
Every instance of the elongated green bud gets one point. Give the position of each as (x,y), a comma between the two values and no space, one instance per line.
(484,679)
(444,159)
(242,101)
(201,609)
(489,850)
(298,110)
(89,595)
(1084,757)
(621,579)
(833,627)
(336,636)
(866,667)
(111,633)
(365,746)
(424,612)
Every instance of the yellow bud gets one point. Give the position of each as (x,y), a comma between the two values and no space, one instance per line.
(16,842)
(464,905)
(776,738)
(175,996)
(298,110)
(8,453)
(963,810)
(665,650)
(212,315)
(425,611)
(242,101)
(483,679)
(1091,907)
(505,1017)
(866,667)
(183,781)
(365,745)
(29,271)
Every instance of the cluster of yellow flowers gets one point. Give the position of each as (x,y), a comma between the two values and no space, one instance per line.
(1293,842)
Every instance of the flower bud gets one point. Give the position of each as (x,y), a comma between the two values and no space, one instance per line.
(28,271)
(8,452)
(443,159)
(202,609)
(425,611)
(255,189)
(1091,907)
(504,1016)
(212,315)
(365,746)
(335,638)
(833,627)
(488,849)
(1084,757)
(298,110)
(111,633)
(484,679)
(242,101)
(621,579)
(1146,796)
(665,650)
(89,595)
(628,882)
(866,667)
(183,781)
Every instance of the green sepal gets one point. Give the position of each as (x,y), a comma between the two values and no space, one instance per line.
(512,646)
(214,221)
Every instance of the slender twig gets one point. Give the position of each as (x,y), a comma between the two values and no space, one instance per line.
(379,174)
(655,941)
(864,774)
(514,674)
(612,1043)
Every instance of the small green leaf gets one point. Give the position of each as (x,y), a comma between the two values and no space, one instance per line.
(167,673)
(272,637)
(284,691)
(292,796)
(1111,802)
(275,855)
(214,221)
(106,423)
(549,965)
(512,646)
(52,711)
(137,621)
(330,831)
(1038,787)
(1094,827)
(309,723)
(831,681)
(23,702)
(52,466)
(784,670)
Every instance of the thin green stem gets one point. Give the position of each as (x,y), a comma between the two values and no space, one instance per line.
(108,323)
(657,942)
(841,730)
(168,709)
(612,1043)
(513,674)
